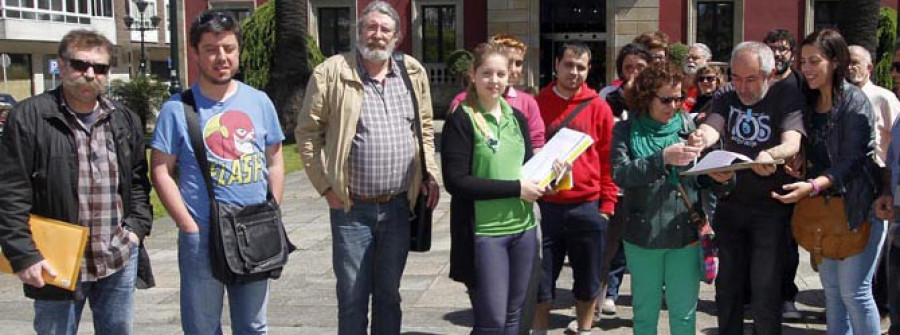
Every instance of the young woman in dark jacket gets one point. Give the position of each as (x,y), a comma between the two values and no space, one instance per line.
(839,162)
(493,238)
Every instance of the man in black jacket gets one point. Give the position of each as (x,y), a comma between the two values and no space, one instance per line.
(73,155)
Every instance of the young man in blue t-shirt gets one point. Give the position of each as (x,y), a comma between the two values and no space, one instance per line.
(243,138)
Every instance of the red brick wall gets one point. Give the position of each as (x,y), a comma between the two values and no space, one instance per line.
(762,16)
(673,18)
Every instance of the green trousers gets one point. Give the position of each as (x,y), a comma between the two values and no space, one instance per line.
(676,270)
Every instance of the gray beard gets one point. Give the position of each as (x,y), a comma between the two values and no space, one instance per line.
(376,55)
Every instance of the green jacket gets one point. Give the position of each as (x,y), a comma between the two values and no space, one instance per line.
(655,216)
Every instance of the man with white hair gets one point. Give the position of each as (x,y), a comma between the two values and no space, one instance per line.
(885,110)
(355,134)
(886,104)
(698,56)
(761,119)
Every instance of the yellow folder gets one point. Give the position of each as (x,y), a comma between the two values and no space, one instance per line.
(62,245)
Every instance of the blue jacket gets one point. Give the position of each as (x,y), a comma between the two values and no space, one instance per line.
(851,152)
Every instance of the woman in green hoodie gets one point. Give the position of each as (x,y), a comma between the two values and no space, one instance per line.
(661,242)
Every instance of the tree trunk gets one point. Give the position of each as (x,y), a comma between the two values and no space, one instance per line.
(290,64)
(858,22)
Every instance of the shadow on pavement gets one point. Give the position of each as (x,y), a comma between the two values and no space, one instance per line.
(813,298)
(461,317)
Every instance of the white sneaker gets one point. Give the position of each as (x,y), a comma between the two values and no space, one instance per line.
(790,311)
(608,307)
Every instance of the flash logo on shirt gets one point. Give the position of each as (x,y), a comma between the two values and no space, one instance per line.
(231,137)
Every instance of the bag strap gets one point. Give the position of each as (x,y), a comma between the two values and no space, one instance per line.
(398,58)
(572,115)
(682,194)
(193,124)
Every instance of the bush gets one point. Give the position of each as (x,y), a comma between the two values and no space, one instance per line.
(887,41)
(678,53)
(458,62)
(142,95)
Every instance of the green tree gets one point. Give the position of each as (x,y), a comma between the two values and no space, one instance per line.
(278,55)
(256,51)
(887,41)
(142,94)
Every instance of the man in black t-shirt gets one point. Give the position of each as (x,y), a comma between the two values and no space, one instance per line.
(782,44)
(762,119)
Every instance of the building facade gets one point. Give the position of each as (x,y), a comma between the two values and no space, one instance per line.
(30,31)
(435,28)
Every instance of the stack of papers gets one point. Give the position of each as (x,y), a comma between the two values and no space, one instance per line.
(565,146)
(724,161)
(62,245)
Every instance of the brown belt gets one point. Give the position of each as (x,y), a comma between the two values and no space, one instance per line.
(378,199)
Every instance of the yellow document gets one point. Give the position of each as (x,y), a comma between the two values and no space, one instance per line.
(62,245)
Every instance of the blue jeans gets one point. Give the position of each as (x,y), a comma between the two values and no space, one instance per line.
(503,266)
(849,305)
(202,294)
(111,299)
(369,246)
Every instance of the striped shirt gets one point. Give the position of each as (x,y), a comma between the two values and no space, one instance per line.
(100,206)
(382,155)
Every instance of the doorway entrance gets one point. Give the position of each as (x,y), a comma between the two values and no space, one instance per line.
(565,21)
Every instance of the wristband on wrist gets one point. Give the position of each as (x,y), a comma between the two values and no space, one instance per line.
(816,188)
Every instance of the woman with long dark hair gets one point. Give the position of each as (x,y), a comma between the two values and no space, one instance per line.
(840,165)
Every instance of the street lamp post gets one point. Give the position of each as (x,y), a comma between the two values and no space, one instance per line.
(175,81)
(141,27)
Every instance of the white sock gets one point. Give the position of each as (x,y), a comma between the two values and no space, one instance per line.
(584,332)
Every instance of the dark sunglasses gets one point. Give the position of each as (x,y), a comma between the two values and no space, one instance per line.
(518,62)
(83,66)
(896,66)
(667,100)
(707,79)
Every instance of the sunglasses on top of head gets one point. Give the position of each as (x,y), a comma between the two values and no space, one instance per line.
(222,18)
(83,65)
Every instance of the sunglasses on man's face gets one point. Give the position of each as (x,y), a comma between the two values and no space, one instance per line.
(707,79)
(83,65)
(667,100)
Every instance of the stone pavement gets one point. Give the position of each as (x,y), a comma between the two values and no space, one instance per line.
(303,300)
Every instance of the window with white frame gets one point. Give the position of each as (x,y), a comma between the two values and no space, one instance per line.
(240,10)
(439,33)
(715,27)
(68,11)
(334,27)
(135,13)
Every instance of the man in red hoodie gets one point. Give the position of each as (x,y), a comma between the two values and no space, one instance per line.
(574,221)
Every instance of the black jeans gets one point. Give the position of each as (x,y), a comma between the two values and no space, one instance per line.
(751,248)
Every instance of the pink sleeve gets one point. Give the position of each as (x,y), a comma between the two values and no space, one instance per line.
(535,122)
(608,189)
(457,100)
